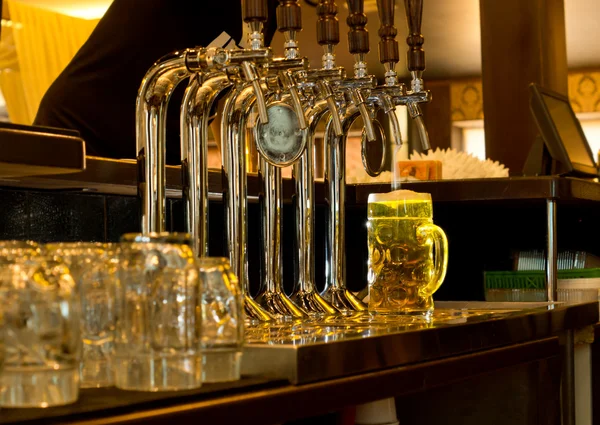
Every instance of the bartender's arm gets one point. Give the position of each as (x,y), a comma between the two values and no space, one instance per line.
(96,92)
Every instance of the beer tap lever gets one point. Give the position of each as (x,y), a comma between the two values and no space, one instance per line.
(415,57)
(358,43)
(388,46)
(358,36)
(415,60)
(328,31)
(289,22)
(328,36)
(255,15)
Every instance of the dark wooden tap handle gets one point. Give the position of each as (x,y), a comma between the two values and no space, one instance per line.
(358,36)
(388,46)
(415,58)
(328,26)
(254,11)
(289,16)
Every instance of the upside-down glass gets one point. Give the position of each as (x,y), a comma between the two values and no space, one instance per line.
(12,250)
(95,277)
(408,254)
(42,334)
(222,320)
(158,309)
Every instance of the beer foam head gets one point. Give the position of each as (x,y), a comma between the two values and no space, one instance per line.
(397,195)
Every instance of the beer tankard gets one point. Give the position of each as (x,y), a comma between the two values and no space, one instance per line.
(158,314)
(95,279)
(408,254)
(222,320)
(42,340)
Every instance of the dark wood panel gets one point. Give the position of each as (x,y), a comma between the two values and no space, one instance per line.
(275,405)
(437,115)
(521,42)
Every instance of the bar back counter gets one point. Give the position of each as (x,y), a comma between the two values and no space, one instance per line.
(485,368)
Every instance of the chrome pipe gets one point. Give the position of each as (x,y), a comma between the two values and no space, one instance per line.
(195,110)
(151,134)
(305,293)
(233,125)
(335,177)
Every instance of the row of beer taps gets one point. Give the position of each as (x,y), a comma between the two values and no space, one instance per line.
(283,100)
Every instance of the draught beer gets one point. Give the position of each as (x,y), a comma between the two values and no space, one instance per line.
(408,254)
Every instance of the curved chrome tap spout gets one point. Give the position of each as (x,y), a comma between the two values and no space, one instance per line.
(272,298)
(151,114)
(305,294)
(195,110)
(335,170)
(233,125)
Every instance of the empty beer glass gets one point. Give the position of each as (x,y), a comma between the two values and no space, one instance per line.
(408,254)
(95,279)
(158,309)
(13,250)
(222,320)
(41,334)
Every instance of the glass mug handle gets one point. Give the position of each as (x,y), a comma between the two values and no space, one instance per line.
(440,242)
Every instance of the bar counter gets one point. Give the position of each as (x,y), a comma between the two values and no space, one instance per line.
(119,177)
(491,338)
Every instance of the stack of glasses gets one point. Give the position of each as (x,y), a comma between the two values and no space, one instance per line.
(142,315)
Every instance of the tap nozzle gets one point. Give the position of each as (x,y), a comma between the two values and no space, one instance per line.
(415,113)
(327,94)
(251,75)
(390,110)
(289,84)
(359,101)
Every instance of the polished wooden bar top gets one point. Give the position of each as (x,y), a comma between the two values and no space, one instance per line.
(524,333)
(35,151)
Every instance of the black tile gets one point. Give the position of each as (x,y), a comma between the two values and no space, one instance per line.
(122,216)
(216,229)
(175,215)
(66,217)
(14,223)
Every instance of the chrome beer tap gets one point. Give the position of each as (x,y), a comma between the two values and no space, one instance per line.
(415,59)
(151,113)
(246,93)
(199,97)
(319,102)
(356,92)
(151,133)
(280,143)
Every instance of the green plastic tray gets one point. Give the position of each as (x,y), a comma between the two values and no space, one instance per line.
(532,279)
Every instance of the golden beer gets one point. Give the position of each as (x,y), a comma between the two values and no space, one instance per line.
(408,254)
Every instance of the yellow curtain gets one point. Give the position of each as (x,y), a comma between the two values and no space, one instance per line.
(11,83)
(44,42)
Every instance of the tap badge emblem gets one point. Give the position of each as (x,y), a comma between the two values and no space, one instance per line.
(280,141)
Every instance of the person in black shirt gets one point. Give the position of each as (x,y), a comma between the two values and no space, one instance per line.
(96,92)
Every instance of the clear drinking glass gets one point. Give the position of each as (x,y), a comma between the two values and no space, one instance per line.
(95,277)
(222,320)
(158,309)
(18,250)
(41,334)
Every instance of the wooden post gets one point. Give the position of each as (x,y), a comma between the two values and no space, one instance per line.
(521,42)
